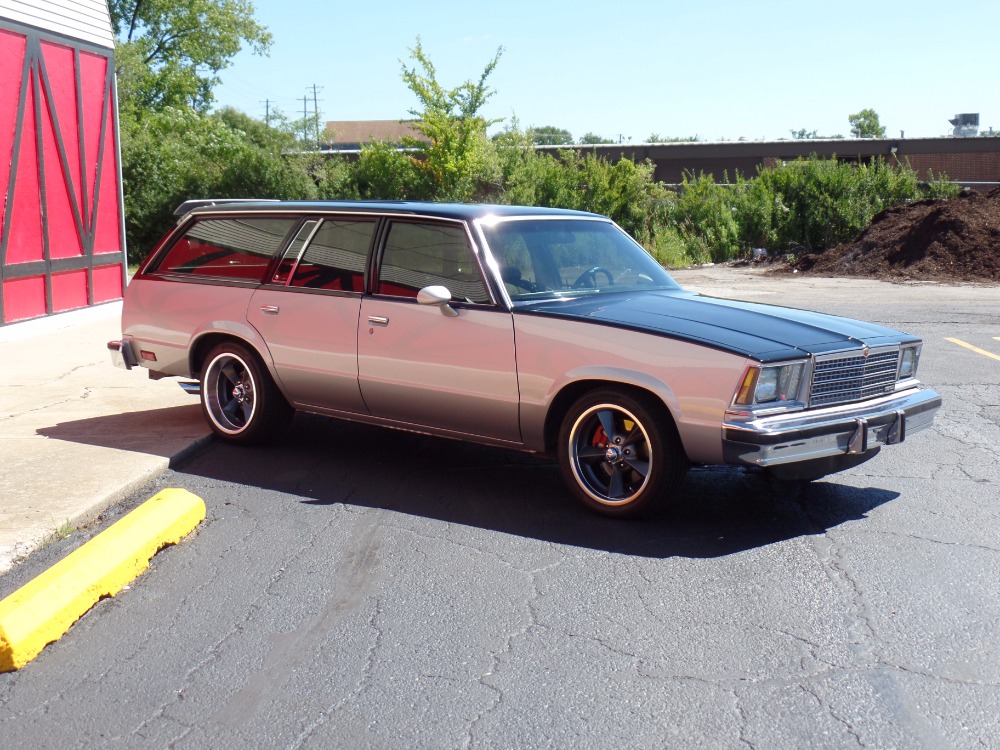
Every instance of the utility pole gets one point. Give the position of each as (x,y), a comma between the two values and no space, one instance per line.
(305,118)
(267,112)
(315,107)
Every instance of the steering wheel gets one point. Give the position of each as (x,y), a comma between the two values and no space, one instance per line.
(512,275)
(589,277)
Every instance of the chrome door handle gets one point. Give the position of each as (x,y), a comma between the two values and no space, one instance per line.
(377,320)
(269,309)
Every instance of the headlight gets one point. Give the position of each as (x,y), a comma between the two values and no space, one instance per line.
(908,359)
(770,384)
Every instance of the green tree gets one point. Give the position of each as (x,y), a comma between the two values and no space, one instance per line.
(458,157)
(657,138)
(549,135)
(177,153)
(865,124)
(592,139)
(168,52)
(803,134)
(383,172)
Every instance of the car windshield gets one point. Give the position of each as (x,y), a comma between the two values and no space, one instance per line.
(549,258)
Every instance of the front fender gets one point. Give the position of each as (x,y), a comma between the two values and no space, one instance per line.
(537,419)
(557,359)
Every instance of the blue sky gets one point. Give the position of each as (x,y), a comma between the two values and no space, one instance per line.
(715,69)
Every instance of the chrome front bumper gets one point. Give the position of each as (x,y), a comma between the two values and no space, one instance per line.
(851,430)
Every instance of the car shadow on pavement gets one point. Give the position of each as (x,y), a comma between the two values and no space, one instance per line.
(158,432)
(719,511)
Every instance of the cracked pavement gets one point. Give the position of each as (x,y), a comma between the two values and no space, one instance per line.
(361,588)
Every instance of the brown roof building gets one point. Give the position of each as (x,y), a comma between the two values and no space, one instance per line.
(350,135)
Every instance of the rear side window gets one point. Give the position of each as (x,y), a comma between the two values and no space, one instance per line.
(227,248)
(336,257)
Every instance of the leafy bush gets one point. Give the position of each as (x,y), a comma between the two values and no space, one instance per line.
(384,172)
(805,204)
(938,187)
(704,215)
(623,190)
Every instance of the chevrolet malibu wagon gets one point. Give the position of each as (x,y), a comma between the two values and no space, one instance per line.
(543,330)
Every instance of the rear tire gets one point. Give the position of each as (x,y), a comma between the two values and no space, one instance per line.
(239,399)
(619,453)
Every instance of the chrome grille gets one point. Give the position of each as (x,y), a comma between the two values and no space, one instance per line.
(839,380)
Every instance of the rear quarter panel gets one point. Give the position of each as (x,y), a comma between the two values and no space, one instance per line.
(696,383)
(165,317)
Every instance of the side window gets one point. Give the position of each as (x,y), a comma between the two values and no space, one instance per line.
(292,253)
(336,257)
(419,255)
(227,248)
(517,268)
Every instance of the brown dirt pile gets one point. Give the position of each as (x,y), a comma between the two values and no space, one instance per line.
(934,240)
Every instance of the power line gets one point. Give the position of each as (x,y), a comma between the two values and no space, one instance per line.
(315,107)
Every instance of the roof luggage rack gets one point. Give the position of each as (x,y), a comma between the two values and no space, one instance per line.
(188,206)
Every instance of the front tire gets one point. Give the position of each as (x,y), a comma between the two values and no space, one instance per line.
(238,397)
(619,453)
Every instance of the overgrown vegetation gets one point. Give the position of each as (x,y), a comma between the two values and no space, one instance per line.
(808,204)
(174,148)
(175,154)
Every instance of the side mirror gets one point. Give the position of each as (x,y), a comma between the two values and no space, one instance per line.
(440,296)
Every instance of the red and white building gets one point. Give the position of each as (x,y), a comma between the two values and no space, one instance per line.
(61,220)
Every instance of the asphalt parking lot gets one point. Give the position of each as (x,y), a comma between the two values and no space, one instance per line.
(355,587)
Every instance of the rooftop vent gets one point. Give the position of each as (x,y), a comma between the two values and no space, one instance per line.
(965,125)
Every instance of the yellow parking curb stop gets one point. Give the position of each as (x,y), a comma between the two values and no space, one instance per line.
(42,610)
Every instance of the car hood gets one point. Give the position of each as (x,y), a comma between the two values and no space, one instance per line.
(767,333)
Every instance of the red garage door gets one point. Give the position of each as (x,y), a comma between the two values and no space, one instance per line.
(60,223)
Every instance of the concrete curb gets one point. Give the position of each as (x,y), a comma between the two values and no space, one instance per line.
(131,486)
(76,434)
(41,611)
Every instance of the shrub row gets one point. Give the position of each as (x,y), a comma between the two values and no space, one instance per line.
(173,155)
(808,204)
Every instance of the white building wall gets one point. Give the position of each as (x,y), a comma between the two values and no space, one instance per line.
(86,20)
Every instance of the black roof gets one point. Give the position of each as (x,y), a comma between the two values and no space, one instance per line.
(462,211)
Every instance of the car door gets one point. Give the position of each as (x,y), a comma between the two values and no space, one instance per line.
(420,364)
(308,313)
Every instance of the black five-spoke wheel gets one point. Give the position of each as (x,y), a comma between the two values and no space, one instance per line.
(239,398)
(617,454)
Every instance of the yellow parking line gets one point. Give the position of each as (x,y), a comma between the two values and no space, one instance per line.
(976,349)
